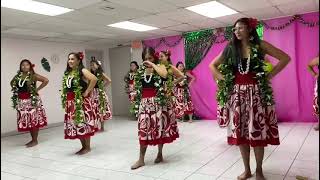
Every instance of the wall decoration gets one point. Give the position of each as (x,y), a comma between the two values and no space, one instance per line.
(45,64)
(55,59)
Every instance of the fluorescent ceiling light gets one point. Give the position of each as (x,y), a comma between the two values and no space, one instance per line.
(132,26)
(212,9)
(35,7)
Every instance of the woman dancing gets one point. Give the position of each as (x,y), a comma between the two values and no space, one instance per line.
(80,119)
(153,128)
(315,63)
(99,96)
(129,80)
(31,115)
(183,102)
(245,100)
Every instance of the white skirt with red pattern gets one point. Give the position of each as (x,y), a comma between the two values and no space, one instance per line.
(29,117)
(96,102)
(132,92)
(315,101)
(182,106)
(248,120)
(154,124)
(82,130)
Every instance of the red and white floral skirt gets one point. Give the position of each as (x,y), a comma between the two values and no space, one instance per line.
(132,92)
(154,126)
(102,116)
(30,117)
(182,106)
(315,101)
(248,120)
(82,130)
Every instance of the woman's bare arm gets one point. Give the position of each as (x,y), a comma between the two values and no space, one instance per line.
(44,81)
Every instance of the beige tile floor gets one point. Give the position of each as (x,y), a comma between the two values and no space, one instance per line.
(201,153)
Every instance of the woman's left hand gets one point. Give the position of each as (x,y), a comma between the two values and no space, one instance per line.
(85,94)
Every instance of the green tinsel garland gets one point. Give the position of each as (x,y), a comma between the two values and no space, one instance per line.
(31,89)
(79,114)
(225,87)
(160,97)
(102,93)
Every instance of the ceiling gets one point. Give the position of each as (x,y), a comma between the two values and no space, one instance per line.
(88,23)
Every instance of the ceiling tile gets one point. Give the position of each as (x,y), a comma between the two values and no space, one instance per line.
(55,39)
(183,28)
(75,37)
(264,13)
(85,17)
(93,34)
(186,3)
(115,11)
(278,2)
(151,6)
(17,36)
(31,32)
(71,3)
(183,15)
(298,7)
(57,25)
(240,6)
(208,23)
(165,32)
(230,19)
(11,17)
(156,21)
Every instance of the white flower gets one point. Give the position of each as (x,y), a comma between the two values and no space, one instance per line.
(78,100)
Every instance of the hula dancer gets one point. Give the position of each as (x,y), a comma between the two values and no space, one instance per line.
(245,98)
(31,115)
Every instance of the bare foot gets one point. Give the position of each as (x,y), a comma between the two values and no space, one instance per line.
(190,121)
(29,143)
(102,129)
(32,143)
(84,151)
(159,159)
(79,151)
(259,175)
(245,175)
(137,165)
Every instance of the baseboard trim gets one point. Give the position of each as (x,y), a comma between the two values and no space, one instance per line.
(14,133)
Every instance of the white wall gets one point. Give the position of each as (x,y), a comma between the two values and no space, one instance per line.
(13,51)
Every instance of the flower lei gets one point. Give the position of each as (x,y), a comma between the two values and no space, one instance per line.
(160,97)
(126,80)
(79,115)
(31,89)
(102,93)
(170,78)
(225,87)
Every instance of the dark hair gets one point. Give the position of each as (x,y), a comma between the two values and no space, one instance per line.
(168,55)
(135,63)
(99,70)
(178,63)
(29,62)
(151,52)
(234,47)
(80,67)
